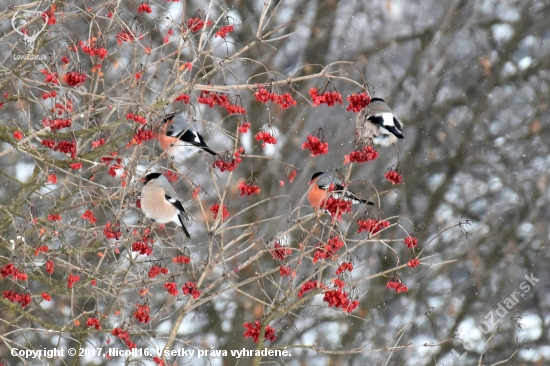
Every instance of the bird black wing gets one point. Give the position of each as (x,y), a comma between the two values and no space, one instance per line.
(194,138)
(340,192)
(183,227)
(177,204)
(377,120)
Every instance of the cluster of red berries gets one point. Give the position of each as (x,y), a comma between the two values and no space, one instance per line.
(264,95)
(93,50)
(327,250)
(291,175)
(190,288)
(126,36)
(46,296)
(142,313)
(89,215)
(136,118)
(367,153)
(229,161)
(183,98)
(54,217)
(123,336)
(339,298)
(18,135)
(72,279)
(143,246)
(171,287)
(216,207)
(393,176)
(266,137)
(253,331)
(76,165)
(397,285)
(49,266)
(113,168)
(336,206)
(243,127)
(48,17)
(62,108)
(315,145)
(185,259)
(344,266)
(97,143)
(140,136)
(144,8)
(358,102)
(170,175)
(328,97)
(112,230)
(155,270)
(75,78)
(372,225)
(284,271)
(308,286)
(11,269)
(93,322)
(411,242)
(57,123)
(196,24)
(50,77)
(51,94)
(66,147)
(24,299)
(52,178)
(211,99)
(280,252)
(248,189)
(413,262)
(41,249)
(224,31)
(166,38)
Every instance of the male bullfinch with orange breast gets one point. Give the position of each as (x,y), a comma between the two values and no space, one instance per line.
(377,122)
(160,202)
(180,145)
(319,190)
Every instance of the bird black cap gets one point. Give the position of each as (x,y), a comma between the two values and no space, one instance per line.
(316,175)
(150,176)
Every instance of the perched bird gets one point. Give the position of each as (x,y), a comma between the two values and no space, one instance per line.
(377,122)
(160,202)
(319,190)
(181,145)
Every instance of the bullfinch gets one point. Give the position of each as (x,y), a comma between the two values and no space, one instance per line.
(377,122)
(319,190)
(182,144)
(160,202)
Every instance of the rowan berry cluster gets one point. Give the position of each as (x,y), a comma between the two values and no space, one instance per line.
(367,153)
(253,331)
(328,97)
(372,225)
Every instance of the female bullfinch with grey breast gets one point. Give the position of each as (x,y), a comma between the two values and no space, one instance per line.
(160,202)
(319,190)
(377,122)
(182,144)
